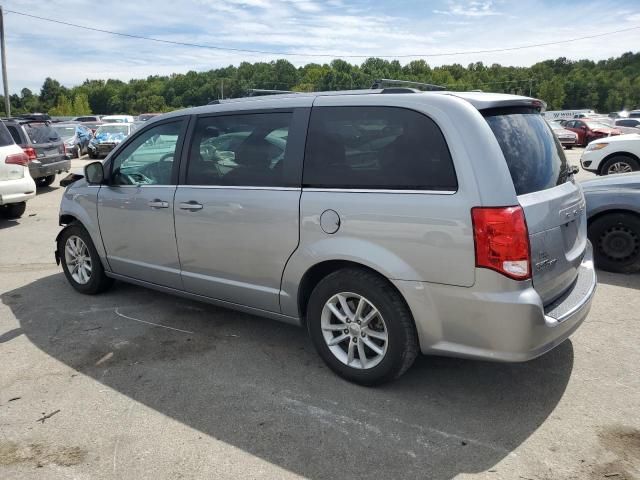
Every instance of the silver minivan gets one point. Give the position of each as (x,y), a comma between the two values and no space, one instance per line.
(387,222)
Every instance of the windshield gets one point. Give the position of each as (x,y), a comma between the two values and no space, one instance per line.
(124,129)
(65,131)
(593,125)
(534,155)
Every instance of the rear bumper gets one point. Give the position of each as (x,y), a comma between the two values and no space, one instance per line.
(510,325)
(39,170)
(16,191)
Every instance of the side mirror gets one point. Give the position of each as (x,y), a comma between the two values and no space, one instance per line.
(94,173)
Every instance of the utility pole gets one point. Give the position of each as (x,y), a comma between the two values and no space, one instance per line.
(7,104)
(222,89)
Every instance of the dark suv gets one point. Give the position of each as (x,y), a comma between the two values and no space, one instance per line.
(44,147)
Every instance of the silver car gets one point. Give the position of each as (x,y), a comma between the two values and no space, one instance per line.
(387,222)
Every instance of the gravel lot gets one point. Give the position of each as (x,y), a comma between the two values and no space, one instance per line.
(90,390)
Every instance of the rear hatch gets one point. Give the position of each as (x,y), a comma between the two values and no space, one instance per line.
(46,142)
(552,201)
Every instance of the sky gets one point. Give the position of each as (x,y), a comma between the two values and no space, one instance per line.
(340,28)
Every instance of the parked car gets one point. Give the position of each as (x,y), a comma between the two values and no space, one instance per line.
(87,118)
(612,155)
(143,117)
(93,126)
(634,114)
(43,146)
(16,184)
(399,235)
(76,137)
(568,139)
(588,130)
(628,122)
(107,137)
(117,119)
(613,212)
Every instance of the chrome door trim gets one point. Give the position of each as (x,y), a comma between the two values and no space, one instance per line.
(378,190)
(240,187)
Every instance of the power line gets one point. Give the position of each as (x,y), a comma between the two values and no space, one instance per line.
(288,54)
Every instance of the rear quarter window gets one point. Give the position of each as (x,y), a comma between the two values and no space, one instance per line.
(376,148)
(5,136)
(41,133)
(533,154)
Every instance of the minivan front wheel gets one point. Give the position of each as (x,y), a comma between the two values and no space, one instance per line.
(361,327)
(80,261)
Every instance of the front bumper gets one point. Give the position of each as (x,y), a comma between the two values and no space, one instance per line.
(590,160)
(102,148)
(568,141)
(511,325)
(38,170)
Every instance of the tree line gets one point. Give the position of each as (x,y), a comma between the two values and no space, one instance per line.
(606,86)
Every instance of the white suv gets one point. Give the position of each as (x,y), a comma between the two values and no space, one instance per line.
(620,154)
(16,184)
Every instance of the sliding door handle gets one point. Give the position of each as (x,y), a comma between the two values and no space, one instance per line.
(157,203)
(191,205)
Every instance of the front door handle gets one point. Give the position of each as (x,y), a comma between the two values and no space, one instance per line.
(191,205)
(157,203)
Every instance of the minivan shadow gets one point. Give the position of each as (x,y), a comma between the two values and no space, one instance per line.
(259,386)
(627,280)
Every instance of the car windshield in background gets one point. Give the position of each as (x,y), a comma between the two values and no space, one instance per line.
(534,156)
(41,133)
(65,132)
(593,125)
(124,129)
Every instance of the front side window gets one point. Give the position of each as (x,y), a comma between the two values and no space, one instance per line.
(240,150)
(149,158)
(376,148)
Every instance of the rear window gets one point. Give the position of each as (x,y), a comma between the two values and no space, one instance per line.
(5,136)
(376,148)
(534,155)
(41,133)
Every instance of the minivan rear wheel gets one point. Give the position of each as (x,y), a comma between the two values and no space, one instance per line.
(80,261)
(361,327)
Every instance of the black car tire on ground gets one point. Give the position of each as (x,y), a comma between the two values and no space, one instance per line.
(45,181)
(13,210)
(92,155)
(633,164)
(98,282)
(616,242)
(402,344)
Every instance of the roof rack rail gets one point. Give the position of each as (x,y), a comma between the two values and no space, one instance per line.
(252,92)
(379,83)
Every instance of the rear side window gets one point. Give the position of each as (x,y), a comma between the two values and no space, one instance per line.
(41,133)
(5,136)
(376,148)
(240,150)
(534,155)
(13,131)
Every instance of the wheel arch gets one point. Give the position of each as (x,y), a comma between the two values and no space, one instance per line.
(605,212)
(317,272)
(616,154)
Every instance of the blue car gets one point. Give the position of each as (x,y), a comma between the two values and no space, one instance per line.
(107,137)
(76,137)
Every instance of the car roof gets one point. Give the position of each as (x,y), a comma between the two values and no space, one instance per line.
(480,100)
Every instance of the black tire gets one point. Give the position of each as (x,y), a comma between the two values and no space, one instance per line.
(45,181)
(98,281)
(92,155)
(632,163)
(569,147)
(13,210)
(402,344)
(616,242)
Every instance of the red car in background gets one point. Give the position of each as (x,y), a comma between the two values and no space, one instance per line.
(588,130)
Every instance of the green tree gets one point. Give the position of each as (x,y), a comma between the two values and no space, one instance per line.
(552,92)
(63,108)
(80,104)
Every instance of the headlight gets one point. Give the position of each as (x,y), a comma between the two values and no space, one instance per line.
(596,146)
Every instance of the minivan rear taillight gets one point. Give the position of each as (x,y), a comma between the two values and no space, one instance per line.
(17,159)
(502,240)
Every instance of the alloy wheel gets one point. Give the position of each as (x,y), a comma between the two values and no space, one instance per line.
(78,259)
(354,330)
(619,167)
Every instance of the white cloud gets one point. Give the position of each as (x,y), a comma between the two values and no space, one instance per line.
(38,49)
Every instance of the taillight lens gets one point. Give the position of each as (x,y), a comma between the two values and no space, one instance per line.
(502,240)
(17,159)
(30,152)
